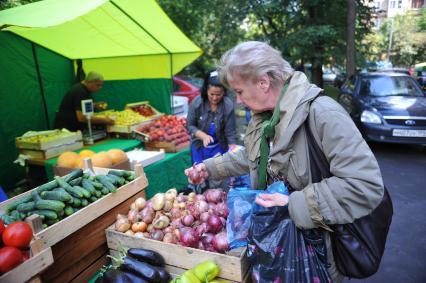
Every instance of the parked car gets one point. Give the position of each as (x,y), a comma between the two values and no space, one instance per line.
(420,74)
(184,88)
(333,76)
(386,107)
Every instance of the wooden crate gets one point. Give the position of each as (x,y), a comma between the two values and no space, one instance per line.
(68,138)
(167,146)
(157,114)
(51,152)
(234,267)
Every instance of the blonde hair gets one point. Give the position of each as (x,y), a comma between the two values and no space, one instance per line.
(252,59)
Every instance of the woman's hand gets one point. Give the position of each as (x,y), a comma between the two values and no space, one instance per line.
(197,174)
(269,200)
(207,140)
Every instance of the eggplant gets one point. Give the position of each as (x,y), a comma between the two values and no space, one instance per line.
(142,269)
(114,276)
(164,274)
(134,278)
(148,256)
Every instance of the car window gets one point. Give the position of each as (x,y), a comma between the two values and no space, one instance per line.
(388,85)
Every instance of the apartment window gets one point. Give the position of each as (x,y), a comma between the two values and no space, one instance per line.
(399,4)
(416,4)
(392,4)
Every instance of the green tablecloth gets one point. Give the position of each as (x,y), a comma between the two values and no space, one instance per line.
(162,175)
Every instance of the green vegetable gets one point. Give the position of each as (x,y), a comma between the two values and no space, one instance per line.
(25,207)
(188,277)
(68,210)
(36,195)
(104,191)
(76,202)
(68,187)
(16,215)
(93,199)
(54,205)
(84,202)
(13,205)
(87,185)
(206,270)
(48,186)
(117,180)
(84,192)
(98,194)
(74,174)
(55,195)
(117,173)
(75,182)
(97,185)
(50,222)
(106,183)
(45,213)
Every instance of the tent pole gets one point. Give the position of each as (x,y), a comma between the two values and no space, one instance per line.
(156,40)
(40,83)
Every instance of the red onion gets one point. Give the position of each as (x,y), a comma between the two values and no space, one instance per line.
(214,224)
(147,215)
(148,204)
(156,235)
(214,195)
(200,197)
(204,216)
(176,232)
(169,238)
(200,246)
(201,229)
(223,221)
(189,237)
(187,220)
(220,242)
(221,209)
(168,230)
(175,213)
(201,206)
(193,210)
(212,207)
(176,223)
(181,198)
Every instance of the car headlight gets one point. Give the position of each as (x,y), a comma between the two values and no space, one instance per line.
(370,117)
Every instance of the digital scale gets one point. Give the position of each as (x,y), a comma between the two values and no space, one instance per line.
(90,136)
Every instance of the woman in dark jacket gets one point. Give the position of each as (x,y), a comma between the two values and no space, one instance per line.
(211,120)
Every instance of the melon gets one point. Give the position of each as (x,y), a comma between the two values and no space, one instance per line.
(79,163)
(86,153)
(117,156)
(68,159)
(101,159)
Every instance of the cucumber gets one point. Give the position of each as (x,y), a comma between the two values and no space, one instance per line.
(86,175)
(50,222)
(55,195)
(54,205)
(104,191)
(84,202)
(47,187)
(45,213)
(117,180)
(93,199)
(25,207)
(112,180)
(13,205)
(87,185)
(63,191)
(36,196)
(7,219)
(68,210)
(129,175)
(16,215)
(76,202)
(117,173)
(76,181)
(98,194)
(106,183)
(84,192)
(74,174)
(67,187)
(97,185)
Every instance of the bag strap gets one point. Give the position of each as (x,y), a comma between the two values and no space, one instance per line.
(320,168)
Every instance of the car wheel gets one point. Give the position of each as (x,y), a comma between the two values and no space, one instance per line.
(346,101)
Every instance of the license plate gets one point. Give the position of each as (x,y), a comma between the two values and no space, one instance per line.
(409,133)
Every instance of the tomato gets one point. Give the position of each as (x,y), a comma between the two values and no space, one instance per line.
(1,228)
(10,257)
(25,255)
(18,234)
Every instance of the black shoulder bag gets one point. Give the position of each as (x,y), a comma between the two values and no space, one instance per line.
(357,247)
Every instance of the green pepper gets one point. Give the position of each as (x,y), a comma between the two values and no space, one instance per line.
(219,281)
(188,277)
(206,271)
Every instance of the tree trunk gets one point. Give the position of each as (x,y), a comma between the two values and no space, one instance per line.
(317,75)
(350,37)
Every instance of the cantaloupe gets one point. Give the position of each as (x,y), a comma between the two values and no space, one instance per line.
(86,153)
(79,163)
(117,156)
(68,159)
(101,159)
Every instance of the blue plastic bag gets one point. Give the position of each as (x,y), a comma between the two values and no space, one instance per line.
(241,204)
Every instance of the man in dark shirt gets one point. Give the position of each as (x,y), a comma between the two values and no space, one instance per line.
(70,115)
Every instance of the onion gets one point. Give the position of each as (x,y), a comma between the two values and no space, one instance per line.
(176,204)
(212,207)
(193,210)
(168,229)
(187,220)
(140,203)
(201,206)
(200,197)
(207,239)
(175,213)
(161,222)
(150,228)
(171,194)
(158,201)
(224,221)
(221,209)
(214,195)
(220,242)
(156,235)
(177,223)
(214,224)
(133,206)
(147,215)
(139,227)
(204,216)
(149,204)
(176,232)
(200,246)
(169,238)
(168,205)
(201,229)
(133,216)
(182,205)
(181,197)
(119,216)
(122,225)
(189,237)
(139,235)
(129,232)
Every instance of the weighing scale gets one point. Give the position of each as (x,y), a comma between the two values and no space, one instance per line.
(90,136)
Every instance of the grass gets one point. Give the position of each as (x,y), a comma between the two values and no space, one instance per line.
(331,91)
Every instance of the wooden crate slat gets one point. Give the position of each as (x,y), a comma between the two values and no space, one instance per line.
(30,268)
(232,267)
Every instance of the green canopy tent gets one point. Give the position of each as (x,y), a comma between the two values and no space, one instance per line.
(131,42)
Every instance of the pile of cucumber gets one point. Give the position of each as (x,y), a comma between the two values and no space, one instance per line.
(64,196)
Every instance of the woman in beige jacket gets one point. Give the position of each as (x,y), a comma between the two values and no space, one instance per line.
(257,73)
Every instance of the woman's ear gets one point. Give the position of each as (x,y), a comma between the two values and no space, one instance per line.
(264,82)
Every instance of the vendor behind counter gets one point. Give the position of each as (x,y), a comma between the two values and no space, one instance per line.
(70,115)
